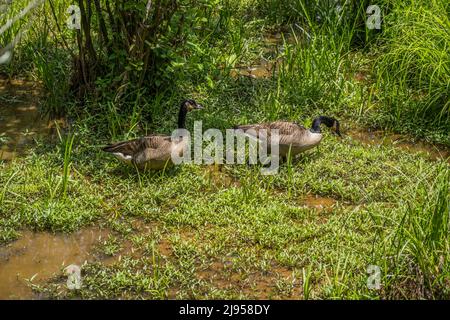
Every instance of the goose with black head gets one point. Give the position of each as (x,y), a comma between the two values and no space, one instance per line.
(293,138)
(154,151)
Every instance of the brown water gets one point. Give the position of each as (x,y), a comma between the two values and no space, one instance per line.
(264,68)
(434,152)
(43,255)
(257,285)
(20,121)
(318,202)
(272,40)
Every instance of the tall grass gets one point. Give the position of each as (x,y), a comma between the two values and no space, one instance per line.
(306,283)
(332,14)
(5,187)
(413,69)
(419,250)
(313,67)
(39,54)
(68,144)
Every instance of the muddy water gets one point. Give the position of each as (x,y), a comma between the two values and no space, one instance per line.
(43,255)
(264,68)
(20,121)
(379,137)
(319,203)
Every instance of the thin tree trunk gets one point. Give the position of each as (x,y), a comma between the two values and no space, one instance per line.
(102,26)
(87,32)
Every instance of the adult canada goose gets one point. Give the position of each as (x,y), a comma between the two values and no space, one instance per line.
(153,151)
(292,136)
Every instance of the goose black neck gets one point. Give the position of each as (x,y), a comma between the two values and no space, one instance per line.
(182,116)
(319,120)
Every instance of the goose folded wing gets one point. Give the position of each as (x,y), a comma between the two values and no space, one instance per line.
(154,148)
(286,128)
(126,148)
(287,131)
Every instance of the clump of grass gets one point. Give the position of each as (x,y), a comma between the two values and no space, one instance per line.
(5,187)
(110,246)
(413,71)
(67,162)
(306,283)
(52,67)
(421,242)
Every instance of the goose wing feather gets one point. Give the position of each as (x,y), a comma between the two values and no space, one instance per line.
(156,149)
(289,132)
(153,146)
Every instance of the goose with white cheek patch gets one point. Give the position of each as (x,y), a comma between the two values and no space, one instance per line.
(154,151)
(293,138)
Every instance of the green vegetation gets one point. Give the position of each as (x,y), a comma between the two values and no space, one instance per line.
(414,65)
(226,231)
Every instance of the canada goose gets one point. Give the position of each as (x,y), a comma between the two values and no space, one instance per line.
(153,151)
(292,135)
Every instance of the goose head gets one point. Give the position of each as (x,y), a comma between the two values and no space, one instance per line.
(330,122)
(191,104)
(335,128)
(187,106)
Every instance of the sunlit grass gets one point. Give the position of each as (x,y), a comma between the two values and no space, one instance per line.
(229,231)
(413,66)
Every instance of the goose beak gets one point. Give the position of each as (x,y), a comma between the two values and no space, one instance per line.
(199,107)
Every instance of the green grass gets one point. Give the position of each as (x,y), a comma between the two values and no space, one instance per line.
(234,233)
(229,231)
(415,62)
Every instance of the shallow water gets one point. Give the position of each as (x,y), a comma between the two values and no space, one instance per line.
(318,202)
(434,152)
(20,120)
(264,68)
(43,255)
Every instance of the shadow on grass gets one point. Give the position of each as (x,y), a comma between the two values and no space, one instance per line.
(128,172)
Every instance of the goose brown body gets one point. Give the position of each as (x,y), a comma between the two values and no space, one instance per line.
(154,151)
(293,137)
(150,152)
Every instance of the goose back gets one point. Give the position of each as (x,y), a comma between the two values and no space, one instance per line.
(293,137)
(149,152)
